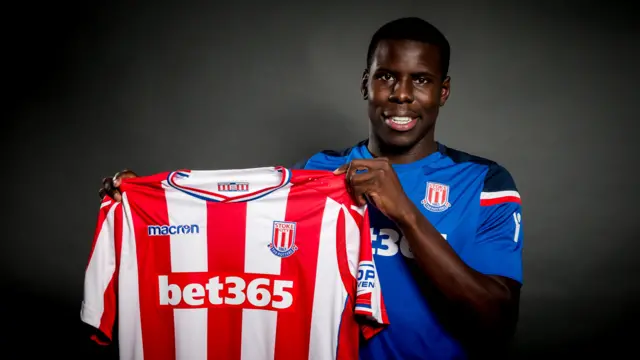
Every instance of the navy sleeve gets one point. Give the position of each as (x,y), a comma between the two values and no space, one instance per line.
(497,248)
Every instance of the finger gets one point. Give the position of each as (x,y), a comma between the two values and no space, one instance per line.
(341,170)
(358,184)
(359,194)
(349,172)
(102,192)
(362,179)
(110,189)
(121,175)
(107,185)
(126,174)
(370,164)
(357,165)
(361,185)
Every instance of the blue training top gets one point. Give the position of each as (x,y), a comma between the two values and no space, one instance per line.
(474,204)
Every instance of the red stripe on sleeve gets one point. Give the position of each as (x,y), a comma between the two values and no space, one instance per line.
(102,217)
(500,200)
(110,295)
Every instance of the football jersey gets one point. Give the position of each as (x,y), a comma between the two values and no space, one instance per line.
(474,203)
(261,263)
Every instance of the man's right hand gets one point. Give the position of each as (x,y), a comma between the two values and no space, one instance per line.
(110,185)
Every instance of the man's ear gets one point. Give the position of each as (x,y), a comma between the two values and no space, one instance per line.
(445,90)
(364,85)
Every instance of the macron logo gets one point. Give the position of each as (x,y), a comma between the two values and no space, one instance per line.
(162,230)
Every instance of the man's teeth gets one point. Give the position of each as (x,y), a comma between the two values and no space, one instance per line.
(401,119)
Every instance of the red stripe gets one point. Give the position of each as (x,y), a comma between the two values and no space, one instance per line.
(500,200)
(225,250)
(348,333)
(108,315)
(154,259)
(348,336)
(306,206)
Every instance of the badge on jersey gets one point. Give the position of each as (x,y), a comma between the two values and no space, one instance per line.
(283,239)
(436,198)
(233,186)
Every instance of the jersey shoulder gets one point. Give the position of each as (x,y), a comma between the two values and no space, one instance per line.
(323,183)
(496,177)
(151,179)
(328,159)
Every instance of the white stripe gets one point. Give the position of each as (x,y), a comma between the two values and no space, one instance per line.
(259,326)
(129,324)
(258,334)
(352,237)
(106,203)
(330,294)
(99,272)
(359,210)
(485,195)
(188,254)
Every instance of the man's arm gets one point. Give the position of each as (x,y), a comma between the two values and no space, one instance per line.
(488,304)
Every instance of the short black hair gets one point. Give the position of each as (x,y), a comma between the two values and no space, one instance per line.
(416,29)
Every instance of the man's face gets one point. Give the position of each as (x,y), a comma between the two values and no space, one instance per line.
(405,90)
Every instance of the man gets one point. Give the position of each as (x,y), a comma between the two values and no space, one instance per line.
(446,225)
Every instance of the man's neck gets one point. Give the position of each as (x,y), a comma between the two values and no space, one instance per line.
(401,155)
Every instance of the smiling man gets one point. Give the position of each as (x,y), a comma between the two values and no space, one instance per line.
(445,225)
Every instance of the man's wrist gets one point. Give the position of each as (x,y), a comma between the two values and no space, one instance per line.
(409,216)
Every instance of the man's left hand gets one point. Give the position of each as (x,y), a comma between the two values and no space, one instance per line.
(375,180)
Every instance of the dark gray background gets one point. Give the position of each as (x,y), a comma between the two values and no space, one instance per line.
(547,89)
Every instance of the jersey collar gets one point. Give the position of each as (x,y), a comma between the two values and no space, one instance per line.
(218,178)
(361,151)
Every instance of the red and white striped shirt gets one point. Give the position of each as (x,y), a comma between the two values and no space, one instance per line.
(262,263)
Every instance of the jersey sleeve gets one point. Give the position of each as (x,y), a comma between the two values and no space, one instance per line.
(497,249)
(100,280)
(369,303)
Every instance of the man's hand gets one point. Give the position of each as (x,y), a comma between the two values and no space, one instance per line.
(110,185)
(379,184)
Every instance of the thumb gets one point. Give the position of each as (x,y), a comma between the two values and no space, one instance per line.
(341,170)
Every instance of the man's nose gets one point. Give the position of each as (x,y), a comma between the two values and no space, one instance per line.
(402,91)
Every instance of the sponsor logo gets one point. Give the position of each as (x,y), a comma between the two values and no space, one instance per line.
(163,230)
(201,290)
(390,242)
(366,277)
